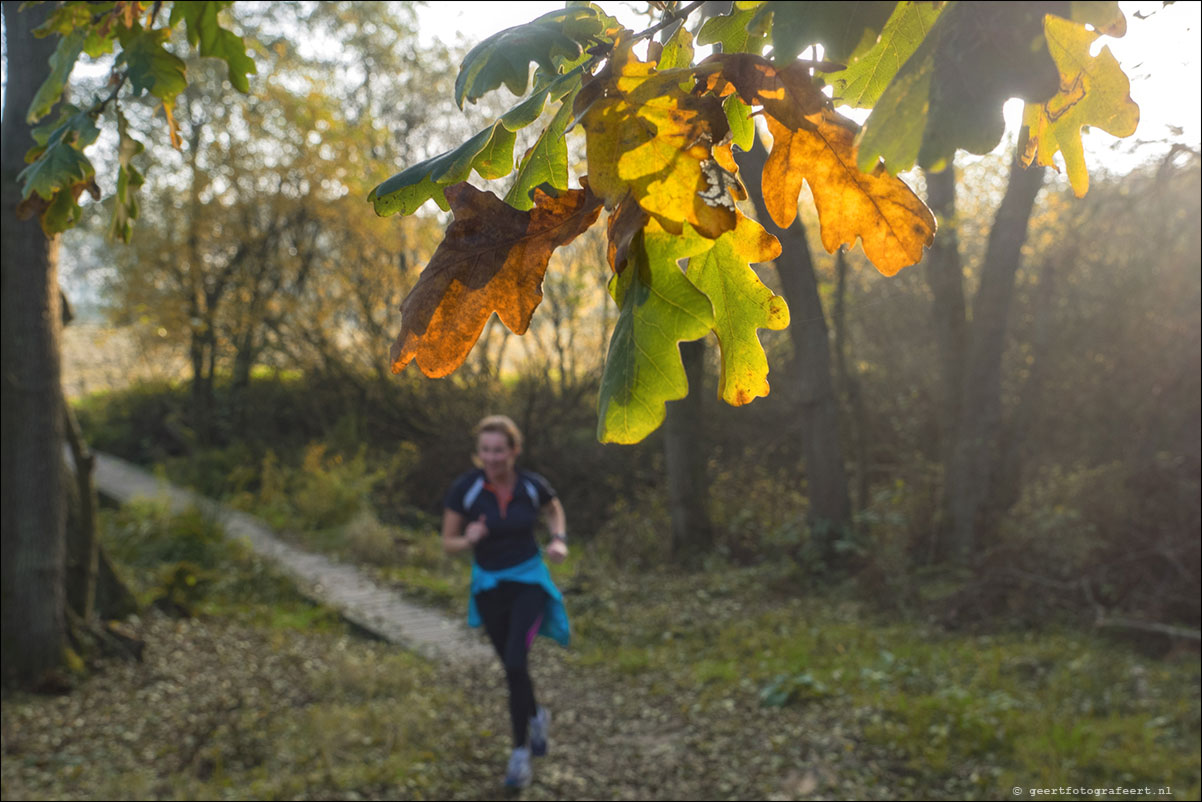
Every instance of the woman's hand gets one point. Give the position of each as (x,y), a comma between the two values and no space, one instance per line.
(557,552)
(476,531)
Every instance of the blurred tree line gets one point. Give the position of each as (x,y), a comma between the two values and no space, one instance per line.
(1064,478)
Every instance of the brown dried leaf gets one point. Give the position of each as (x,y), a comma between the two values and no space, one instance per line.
(492,259)
(624,222)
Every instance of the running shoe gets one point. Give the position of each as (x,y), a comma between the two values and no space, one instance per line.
(540,724)
(519,774)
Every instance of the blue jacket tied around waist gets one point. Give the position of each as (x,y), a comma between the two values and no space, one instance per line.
(531,572)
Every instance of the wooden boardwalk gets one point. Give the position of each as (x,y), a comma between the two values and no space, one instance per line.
(356,596)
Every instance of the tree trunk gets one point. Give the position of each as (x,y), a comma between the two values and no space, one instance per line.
(34,517)
(849,384)
(83,545)
(830,508)
(688,485)
(971,477)
(1016,443)
(944,274)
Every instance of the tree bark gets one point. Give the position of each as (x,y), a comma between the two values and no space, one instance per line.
(688,485)
(848,384)
(83,544)
(830,507)
(34,516)
(970,479)
(944,274)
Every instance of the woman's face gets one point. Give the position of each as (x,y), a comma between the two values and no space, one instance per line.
(497,457)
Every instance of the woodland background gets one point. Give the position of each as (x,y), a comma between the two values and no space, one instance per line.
(1056,643)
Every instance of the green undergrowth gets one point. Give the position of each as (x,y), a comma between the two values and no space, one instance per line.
(183,564)
(968,712)
(223,710)
(974,712)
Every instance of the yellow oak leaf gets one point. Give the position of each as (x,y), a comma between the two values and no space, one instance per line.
(648,138)
(1094,91)
(742,304)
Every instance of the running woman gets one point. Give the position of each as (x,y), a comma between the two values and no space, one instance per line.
(493,511)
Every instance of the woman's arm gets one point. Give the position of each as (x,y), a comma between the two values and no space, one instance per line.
(557,521)
(456,537)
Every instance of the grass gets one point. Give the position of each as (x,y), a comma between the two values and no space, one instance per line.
(966,712)
(977,712)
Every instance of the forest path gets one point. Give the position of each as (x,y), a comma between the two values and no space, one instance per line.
(359,599)
(615,734)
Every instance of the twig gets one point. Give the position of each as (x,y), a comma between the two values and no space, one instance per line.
(670,19)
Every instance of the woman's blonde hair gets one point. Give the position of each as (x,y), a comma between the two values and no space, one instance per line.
(502,424)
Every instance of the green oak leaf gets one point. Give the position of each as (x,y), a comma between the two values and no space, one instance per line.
(129,179)
(546,162)
(75,126)
(929,109)
(742,127)
(841,28)
(62,61)
(406,191)
(58,166)
(678,50)
(150,66)
(861,84)
(504,57)
(206,32)
(57,175)
(742,304)
(740,31)
(660,309)
(489,151)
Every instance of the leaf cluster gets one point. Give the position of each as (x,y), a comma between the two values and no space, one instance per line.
(659,132)
(139,34)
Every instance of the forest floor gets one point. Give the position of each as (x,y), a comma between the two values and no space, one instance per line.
(729,683)
(220,708)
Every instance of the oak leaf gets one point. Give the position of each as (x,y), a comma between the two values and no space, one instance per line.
(866,77)
(504,58)
(660,308)
(813,143)
(742,304)
(1094,91)
(950,91)
(492,259)
(892,222)
(648,138)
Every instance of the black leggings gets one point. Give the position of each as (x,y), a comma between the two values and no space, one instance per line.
(512,613)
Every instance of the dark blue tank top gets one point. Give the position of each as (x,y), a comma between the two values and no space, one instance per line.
(510,521)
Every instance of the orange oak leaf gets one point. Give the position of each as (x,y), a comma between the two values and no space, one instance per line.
(813,143)
(892,222)
(624,222)
(492,259)
(787,94)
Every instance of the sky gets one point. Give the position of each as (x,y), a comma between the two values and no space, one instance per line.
(1161,55)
